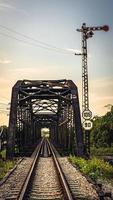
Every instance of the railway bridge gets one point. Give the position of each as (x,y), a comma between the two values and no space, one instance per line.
(38,104)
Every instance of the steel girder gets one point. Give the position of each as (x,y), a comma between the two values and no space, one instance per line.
(45,103)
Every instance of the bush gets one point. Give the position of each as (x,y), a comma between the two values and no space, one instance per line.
(5,166)
(101,151)
(3,154)
(94,168)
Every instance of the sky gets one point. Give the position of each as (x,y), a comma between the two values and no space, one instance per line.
(38,40)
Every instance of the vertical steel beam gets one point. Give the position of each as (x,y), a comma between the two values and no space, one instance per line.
(77,119)
(13,120)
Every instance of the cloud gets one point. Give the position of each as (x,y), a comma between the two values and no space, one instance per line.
(5,61)
(103,82)
(8,7)
(105,98)
(95,98)
(76,51)
(73,50)
(101,89)
(24,69)
(100,94)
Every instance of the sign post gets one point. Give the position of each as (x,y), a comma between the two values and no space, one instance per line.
(87,32)
(87,125)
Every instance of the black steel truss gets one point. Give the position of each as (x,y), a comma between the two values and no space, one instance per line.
(45,103)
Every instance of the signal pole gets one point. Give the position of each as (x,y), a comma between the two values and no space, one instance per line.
(87,32)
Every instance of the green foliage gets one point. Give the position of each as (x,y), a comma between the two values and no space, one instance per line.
(102,132)
(95,168)
(5,166)
(102,151)
(3,153)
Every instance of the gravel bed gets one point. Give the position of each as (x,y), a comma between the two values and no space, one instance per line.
(107,187)
(80,187)
(10,189)
(45,184)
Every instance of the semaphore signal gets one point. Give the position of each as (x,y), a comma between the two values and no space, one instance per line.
(87,32)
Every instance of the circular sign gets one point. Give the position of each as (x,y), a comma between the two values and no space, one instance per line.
(106,28)
(87,114)
(87,125)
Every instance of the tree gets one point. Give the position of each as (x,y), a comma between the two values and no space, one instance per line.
(102,132)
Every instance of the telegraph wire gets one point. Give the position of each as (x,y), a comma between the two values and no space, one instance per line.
(39,43)
(3,97)
(4,107)
(4,104)
(32,44)
(28,37)
(20,40)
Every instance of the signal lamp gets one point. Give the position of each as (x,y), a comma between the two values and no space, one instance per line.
(105,28)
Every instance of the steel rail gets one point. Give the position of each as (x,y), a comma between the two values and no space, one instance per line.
(63,182)
(25,184)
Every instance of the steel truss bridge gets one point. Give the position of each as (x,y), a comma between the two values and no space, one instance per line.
(36,104)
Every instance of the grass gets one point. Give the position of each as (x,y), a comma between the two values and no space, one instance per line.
(5,165)
(103,151)
(94,168)
(3,154)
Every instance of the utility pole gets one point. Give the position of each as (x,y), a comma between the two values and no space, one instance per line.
(87,32)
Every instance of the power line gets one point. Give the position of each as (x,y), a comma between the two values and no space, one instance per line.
(32,44)
(5,110)
(3,104)
(20,40)
(3,97)
(28,37)
(39,43)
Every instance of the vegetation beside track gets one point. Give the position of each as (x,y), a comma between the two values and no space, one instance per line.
(101,139)
(3,154)
(102,132)
(5,165)
(95,168)
(102,151)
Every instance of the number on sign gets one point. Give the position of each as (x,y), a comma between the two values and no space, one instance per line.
(87,114)
(87,125)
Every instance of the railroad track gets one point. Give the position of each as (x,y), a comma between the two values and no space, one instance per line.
(47,181)
(44,176)
(42,180)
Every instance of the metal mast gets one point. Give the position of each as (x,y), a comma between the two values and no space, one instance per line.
(87,32)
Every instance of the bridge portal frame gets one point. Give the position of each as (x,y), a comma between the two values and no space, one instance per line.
(59,98)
